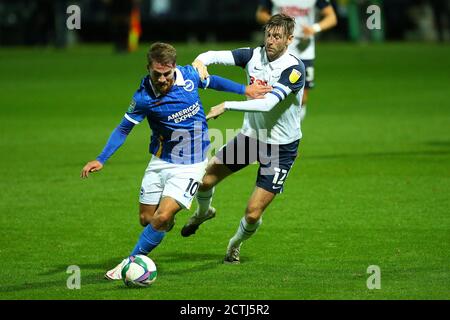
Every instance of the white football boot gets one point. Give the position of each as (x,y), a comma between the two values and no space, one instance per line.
(116,272)
(232,256)
(195,221)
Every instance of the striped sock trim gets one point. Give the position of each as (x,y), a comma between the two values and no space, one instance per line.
(246,231)
(203,198)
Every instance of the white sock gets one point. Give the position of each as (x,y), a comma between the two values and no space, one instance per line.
(244,231)
(204,199)
(303,112)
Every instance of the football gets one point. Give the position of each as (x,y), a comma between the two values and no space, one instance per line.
(139,271)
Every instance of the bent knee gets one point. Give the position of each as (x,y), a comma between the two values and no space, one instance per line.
(208,182)
(144,219)
(143,222)
(162,220)
(252,219)
(253,214)
(216,171)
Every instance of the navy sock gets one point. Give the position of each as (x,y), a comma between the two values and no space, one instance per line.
(148,240)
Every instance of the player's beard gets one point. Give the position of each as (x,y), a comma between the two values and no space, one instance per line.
(164,87)
(272,53)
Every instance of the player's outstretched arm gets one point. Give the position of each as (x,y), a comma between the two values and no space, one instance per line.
(201,69)
(91,166)
(224,57)
(216,111)
(257,90)
(115,141)
(204,59)
(291,81)
(261,105)
(253,91)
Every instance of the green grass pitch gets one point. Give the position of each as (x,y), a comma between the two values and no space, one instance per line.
(371,185)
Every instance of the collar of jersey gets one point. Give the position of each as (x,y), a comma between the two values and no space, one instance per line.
(179,81)
(276,63)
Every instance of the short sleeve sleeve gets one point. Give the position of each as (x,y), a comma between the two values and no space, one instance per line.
(242,56)
(293,77)
(322,4)
(266,4)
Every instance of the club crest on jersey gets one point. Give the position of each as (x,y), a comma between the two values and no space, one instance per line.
(189,85)
(132,106)
(294,76)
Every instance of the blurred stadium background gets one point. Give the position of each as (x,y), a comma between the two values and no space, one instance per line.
(42,22)
(370,188)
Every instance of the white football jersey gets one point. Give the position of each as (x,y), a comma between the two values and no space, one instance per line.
(280,125)
(304,13)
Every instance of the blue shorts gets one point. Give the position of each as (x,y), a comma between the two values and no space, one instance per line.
(309,77)
(275,160)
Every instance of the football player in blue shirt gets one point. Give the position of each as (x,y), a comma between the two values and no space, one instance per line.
(168,97)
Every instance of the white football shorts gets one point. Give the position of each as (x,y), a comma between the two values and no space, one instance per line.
(165,179)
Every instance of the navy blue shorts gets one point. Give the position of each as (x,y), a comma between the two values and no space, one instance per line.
(309,77)
(275,161)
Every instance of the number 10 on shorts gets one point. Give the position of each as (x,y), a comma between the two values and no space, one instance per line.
(192,187)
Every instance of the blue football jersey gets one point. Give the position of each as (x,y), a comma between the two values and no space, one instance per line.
(177,119)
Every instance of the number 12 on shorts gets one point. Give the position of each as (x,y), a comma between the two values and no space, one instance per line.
(280,175)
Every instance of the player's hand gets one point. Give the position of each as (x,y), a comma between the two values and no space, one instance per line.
(308,31)
(201,68)
(91,166)
(216,111)
(257,91)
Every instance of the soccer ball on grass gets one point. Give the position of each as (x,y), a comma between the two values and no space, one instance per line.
(139,271)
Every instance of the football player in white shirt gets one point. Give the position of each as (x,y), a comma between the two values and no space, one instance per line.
(303,45)
(270,132)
